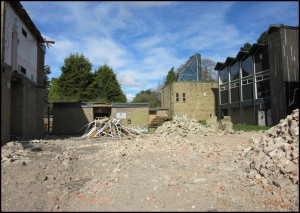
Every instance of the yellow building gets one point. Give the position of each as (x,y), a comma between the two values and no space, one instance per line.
(196,100)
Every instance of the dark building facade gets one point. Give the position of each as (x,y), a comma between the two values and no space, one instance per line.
(261,86)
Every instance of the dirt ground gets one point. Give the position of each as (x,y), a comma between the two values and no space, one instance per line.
(146,173)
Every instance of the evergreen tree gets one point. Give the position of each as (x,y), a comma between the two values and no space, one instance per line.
(105,86)
(171,77)
(75,78)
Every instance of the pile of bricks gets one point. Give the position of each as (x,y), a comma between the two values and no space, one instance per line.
(274,158)
(181,126)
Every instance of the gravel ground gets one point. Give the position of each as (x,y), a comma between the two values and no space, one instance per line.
(146,173)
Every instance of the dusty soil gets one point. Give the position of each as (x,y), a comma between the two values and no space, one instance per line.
(147,173)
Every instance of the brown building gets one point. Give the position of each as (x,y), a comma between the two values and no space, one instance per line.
(71,118)
(22,74)
(261,86)
(194,99)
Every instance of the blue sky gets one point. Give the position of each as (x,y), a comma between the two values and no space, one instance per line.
(142,41)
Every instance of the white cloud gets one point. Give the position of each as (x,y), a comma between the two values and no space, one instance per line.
(129,97)
(106,51)
(142,41)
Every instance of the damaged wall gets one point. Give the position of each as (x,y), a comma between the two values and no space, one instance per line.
(21,89)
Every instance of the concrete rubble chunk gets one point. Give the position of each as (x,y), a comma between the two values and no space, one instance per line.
(182,126)
(276,155)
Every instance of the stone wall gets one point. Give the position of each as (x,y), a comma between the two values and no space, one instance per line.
(200,99)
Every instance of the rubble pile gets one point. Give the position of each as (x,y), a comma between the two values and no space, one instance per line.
(159,120)
(110,127)
(181,126)
(274,158)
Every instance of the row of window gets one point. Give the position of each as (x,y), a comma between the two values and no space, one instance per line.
(262,91)
(261,63)
(183,97)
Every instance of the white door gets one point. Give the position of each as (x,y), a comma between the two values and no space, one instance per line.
(261,118)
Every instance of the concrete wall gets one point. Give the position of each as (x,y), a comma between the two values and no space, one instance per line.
(70,120)
(21,94)
(139,116)
(5,104)
(200,101)
(26,119)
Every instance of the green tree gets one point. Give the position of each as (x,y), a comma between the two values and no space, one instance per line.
(171,77)
(47,71)
(247,46)
(105,86)
(263,38)
(75,78)
(53,92)
(148,96)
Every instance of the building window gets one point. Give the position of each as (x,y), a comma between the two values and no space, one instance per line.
(23,70)
(263,89)
(235,72)
(24,32)
(183,97)
(177,97)
(223,76)
(247,67)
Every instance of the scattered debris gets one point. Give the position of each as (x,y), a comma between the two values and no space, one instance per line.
(226,123)
(182,126)
(110,127)
(276,155)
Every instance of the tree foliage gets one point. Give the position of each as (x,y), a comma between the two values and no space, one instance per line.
(105,86)
(75,78)
(263,38)
(148,96)
(53,92)
(208,73)
(247,46)
(47,71)
(171,77)
(78,83)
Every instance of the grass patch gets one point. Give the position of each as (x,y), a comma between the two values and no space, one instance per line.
(246,127)
(203,122)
